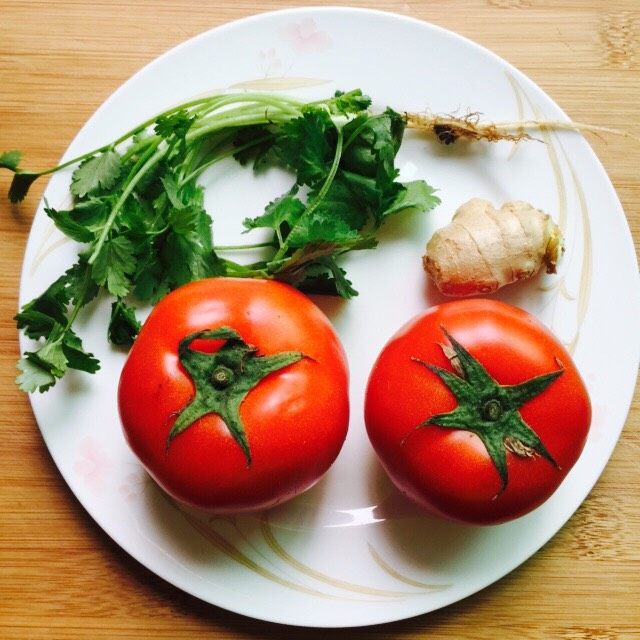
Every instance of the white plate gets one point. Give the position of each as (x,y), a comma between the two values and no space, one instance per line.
(351,552)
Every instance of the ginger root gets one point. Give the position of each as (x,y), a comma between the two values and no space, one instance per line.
(483,248)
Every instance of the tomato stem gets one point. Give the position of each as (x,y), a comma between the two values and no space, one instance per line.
(492,410)
(223,379)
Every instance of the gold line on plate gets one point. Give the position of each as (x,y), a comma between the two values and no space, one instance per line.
(586,274)
(387,568)
(230,550)
(553,156)
(277,548)
(586,271)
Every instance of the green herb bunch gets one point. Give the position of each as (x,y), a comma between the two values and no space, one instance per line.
(138,210)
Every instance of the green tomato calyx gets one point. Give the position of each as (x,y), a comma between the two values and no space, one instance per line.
(223,379)
(489,409)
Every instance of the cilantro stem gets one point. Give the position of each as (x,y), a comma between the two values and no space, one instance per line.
(222,156)
(143,159)
(153,160)
(125,136)
(284,103)
(240,247)
(330,176)
(256,270)
(202,149)
(220,122)
(254,109)
(137,147)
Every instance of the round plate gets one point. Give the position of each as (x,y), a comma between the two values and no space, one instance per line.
(351,551)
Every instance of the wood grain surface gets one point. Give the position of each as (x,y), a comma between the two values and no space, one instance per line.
(61,577)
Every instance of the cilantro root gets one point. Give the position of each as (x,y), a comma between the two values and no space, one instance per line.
(139,217)
(448,129)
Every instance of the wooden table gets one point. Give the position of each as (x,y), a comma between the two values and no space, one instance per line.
(60,575)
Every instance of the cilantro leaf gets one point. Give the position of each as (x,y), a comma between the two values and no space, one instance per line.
(171,187)
(137,219)
(19,187)
(113,265)
(62,351)
(176,124)
(39,316)
(341,283)
(186,221)
(286,209)
(350,102)
(342,202)
(98,172)
(79,287)
(149,277)
(34,376)
(254,143)
(51,354)
(372,144)
(321,229)
(82,223)
(303,144)
(10,160)
(416,195)
(123,324)
(77,357)
(187,251)
(65,222)
(185,260)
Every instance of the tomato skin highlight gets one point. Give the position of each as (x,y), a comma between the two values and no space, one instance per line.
(449,471)
(295,418)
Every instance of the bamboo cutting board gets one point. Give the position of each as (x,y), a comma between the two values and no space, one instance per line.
(60,575)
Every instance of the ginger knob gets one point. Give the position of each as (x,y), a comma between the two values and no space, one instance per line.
(483,248)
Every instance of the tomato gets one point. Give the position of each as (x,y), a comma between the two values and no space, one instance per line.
(476,411)
(235,394)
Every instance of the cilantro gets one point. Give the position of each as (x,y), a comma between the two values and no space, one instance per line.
(77,357)
(34,376)
(138,210)
(123,324)
(176,124)
(62,351)
(329,269)
(413,196)
(66,222)
(98,172)
(113,265)
(350,102)
(20,184)
(285,210)
(49,317)
(305,145)
(10,160)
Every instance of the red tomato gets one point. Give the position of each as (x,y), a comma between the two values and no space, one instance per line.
(272,365)
(478,463)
